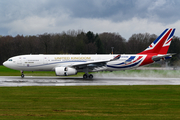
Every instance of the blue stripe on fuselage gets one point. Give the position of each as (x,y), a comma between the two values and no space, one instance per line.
(128,60)
(132,65)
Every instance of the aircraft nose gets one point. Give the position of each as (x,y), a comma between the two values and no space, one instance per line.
(4,63)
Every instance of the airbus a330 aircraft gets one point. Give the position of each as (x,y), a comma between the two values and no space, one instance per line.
(65,65)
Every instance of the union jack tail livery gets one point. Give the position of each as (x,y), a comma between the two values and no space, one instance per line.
(161,44)
(158,49)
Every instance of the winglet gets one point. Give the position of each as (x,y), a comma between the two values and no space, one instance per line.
(116,57)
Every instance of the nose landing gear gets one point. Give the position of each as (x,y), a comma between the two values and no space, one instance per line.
(22,75)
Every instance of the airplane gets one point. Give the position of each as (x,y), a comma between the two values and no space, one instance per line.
(65,65)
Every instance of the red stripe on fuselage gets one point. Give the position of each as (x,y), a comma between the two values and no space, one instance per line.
(135,60)
(148,59)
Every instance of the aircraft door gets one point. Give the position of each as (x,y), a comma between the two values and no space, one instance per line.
(46,60)
(19,61)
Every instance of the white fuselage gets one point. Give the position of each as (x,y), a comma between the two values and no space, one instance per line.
(50,62)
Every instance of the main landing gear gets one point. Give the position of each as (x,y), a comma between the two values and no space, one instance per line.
(22,75)
(86,76)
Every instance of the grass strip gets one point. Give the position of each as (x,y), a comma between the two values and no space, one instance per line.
(90,102)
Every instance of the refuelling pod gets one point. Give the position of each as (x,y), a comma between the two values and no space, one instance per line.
(65,71)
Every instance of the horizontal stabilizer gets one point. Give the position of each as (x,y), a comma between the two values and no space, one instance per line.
(157,58)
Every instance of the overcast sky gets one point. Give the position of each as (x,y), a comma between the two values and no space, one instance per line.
(126,17)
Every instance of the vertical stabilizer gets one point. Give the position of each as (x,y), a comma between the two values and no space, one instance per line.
(167,43)
(161,44)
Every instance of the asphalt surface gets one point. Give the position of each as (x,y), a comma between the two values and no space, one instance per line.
(78,81)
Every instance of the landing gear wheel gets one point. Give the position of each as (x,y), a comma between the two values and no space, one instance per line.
(85,76)
(22,76)
(90,76)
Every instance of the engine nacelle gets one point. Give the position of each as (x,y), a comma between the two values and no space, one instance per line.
(65,71)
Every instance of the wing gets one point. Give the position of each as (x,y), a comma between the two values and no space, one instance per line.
(97,65)
(89,63)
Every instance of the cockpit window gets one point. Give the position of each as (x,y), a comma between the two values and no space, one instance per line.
(10,60)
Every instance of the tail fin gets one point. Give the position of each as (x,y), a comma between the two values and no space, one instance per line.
(161,44)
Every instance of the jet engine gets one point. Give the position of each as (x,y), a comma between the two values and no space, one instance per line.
(65,71)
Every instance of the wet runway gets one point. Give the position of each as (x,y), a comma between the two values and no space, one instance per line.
(78,81)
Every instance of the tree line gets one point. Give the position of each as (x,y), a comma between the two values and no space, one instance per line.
(79,42)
